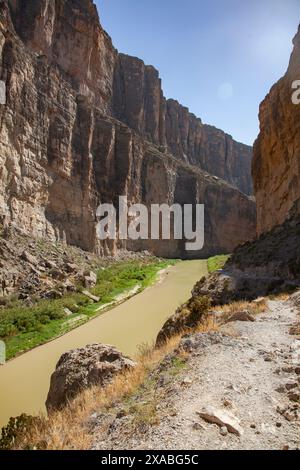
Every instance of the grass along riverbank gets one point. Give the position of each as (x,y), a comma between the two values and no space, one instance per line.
(135,394)
(23,328)
(216,262)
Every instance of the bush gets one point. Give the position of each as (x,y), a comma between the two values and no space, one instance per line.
(20,319)
(198,307)
(15,429)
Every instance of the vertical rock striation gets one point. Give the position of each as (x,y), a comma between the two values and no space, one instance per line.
(139,102)
(84,124)
(270,264)
(276,163)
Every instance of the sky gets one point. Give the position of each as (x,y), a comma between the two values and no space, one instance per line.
(217,57)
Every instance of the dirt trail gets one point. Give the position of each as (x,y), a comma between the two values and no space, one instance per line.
(243,370)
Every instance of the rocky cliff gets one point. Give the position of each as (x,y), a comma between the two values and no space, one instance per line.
(83,124)
(271,263)
(276,162)
(139,102)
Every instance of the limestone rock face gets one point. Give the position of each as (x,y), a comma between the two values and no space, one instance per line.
(276,163)
(271,263)
(140,103)
(80,369)
(83,125)
(68,34)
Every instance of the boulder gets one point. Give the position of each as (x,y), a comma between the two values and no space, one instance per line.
(80,369)
(57,274)
(94,298)
(26,256)
(90,279)
(50,264)
(71,267)
(67,312)
(69,286)
(219,287)
(53,294)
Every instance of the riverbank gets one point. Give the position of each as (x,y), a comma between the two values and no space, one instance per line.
(128,326)
(24,327)
(217,387)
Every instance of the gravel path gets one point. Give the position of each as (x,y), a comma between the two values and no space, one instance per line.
(248,370)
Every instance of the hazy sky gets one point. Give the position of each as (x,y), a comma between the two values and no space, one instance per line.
(218,57)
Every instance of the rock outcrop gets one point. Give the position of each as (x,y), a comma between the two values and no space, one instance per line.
(186,317)
(83,124)
(80,369)
(276,162)
(266,266)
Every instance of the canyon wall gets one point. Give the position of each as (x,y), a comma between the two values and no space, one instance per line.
(271,263)
(83,124)
(138,101)
(276,161)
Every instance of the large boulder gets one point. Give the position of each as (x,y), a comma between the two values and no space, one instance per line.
(218,287)
(83,368)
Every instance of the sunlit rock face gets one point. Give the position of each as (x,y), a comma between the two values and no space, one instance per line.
(276,163)
(139,102)
(83,124)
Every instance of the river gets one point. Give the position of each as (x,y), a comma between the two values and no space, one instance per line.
(24,381)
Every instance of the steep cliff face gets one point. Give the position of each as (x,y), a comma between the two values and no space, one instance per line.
(139,102)
(276,164)
(271,263)
(69,35)
(83,125)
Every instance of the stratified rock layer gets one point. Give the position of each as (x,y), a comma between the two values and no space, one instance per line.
(84,124)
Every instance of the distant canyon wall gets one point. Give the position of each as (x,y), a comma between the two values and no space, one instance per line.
(84,124)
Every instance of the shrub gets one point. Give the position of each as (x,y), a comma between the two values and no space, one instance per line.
(15,429)
(198,307)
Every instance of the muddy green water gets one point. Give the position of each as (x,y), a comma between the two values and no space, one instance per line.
(24,381)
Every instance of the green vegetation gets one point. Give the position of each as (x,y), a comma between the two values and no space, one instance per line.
(216,262)
(25,327)
(178,364)
(198,307)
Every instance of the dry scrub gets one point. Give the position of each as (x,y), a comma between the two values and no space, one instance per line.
(224,312)
(69,429)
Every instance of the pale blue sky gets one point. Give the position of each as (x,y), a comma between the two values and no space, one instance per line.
(218,57)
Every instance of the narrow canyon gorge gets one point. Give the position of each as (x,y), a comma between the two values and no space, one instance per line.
(212,334)
(84,124)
